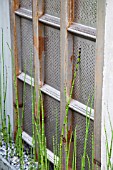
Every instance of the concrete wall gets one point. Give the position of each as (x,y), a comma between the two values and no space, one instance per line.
(107,91)
(5,24)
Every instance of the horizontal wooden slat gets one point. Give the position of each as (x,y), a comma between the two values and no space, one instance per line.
(50,20)
(83,30)
(52,92)
(28,140)
(75,105)
(22,12)
(24,77)
(81,108)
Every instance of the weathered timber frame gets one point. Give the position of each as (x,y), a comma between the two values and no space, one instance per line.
(67,27)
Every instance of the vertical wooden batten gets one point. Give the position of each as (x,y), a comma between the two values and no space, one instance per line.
(66,55)
(38,43)
(99,81)
(14,5)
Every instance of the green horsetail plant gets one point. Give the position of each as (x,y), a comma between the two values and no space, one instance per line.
(74,151)
(56,145)
(10,136)
(24,94)
(43,147)
(109,148)
(92,151)
(65,124)
(18,135)
(38,130)
(0,111)
(4,88)
(18,142)
(33,96)
(88,115)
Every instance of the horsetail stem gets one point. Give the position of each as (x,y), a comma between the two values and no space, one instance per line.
(74,152)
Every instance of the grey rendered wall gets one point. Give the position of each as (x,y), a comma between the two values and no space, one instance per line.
(5,25)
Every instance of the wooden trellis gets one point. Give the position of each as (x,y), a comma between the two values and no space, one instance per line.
(55,31)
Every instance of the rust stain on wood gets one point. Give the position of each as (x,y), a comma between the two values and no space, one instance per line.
(35,42)
(69,133)
(16,4)
(41,46)
(71,12)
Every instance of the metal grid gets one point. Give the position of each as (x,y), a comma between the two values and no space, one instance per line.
(85,81)
(27,109)
(79,121)
(26,34)
(52,7)
(52,115)
(26,4)
(18,26)
(85,12)
(52,57)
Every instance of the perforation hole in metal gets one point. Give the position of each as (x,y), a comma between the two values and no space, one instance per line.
(85,80)
(26,4)
(52,57)
(27,46)
(86,12)
(52,7)
(79,121)
(52,116)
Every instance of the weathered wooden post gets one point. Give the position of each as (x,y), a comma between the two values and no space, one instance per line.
(104,82)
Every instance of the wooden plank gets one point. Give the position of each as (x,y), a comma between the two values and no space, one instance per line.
(82,30)
(99,81)
(50,20)
(28,140)
(38,43)
(22,12)
(66,62)
(14,5)
(24,77)
(51,92)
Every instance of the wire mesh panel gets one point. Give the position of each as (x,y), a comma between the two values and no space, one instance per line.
(85,81)
(52,120)
(26,110)
(79,121)
(18,26)
(85,12)
(52,57)
(27,45)
(26,4)
(25,41)
(52,7)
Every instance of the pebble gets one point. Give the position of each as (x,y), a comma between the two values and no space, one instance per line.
(15,161)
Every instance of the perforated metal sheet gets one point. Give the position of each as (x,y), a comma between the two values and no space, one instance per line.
(28,110)
(26,4)
(52,113)
(85,12)
(52,7)
(18,26)
(26,33)
(85,81)
(79,121)
(52,57)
